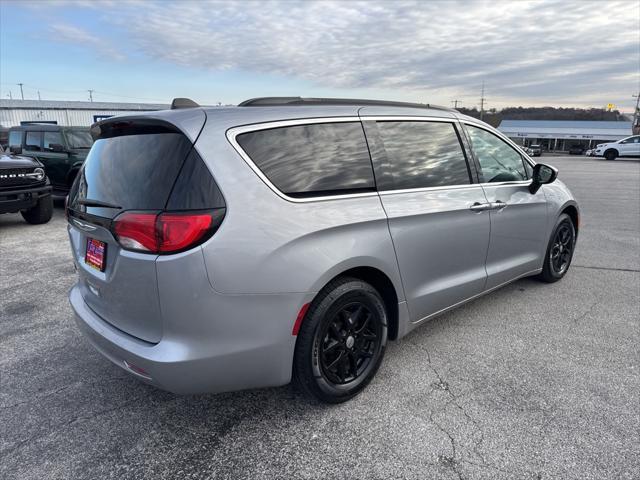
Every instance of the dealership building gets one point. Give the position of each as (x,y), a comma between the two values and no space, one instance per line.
(23,112)
(561,134)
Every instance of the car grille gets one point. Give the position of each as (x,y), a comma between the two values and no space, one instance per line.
(11,177)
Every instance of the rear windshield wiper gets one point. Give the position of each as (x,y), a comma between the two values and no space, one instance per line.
(87,202)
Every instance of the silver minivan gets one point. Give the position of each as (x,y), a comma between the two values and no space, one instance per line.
(219,249)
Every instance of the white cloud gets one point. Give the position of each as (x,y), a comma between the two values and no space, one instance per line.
(535,52)
(77,36)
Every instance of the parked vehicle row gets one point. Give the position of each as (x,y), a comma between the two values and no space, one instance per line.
(230,248)
(61,150)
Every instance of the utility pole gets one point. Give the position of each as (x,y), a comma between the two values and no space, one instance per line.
(10,96)
(482,99)
(90,95)
(634,124)
(39,95)
(21,92)
(455,103)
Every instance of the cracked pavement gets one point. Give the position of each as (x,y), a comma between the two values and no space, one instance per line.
(533,381)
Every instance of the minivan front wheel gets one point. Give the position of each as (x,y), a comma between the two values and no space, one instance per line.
(559,250)
(341,341)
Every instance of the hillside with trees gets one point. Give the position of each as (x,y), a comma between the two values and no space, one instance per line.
(494,117)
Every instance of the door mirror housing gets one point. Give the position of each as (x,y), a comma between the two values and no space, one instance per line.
(56,147)
(542,174)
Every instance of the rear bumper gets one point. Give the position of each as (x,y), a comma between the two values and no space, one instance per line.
(248,345)
(22,198)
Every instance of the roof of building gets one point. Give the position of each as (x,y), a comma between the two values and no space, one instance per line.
(575,124)
(73,105)
(581,129)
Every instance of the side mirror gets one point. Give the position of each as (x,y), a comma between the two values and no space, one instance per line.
(15,149)
(542,174)
(56,147)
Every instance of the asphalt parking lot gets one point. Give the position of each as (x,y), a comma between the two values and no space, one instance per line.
(533,381)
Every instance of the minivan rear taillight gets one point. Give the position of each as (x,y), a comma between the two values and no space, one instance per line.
(165,232)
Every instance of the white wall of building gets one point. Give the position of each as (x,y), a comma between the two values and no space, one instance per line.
(14,112)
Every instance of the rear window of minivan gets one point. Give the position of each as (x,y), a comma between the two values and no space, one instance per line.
(144,171)
(312,160)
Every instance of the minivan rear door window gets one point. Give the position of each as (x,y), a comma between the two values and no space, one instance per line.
(422,154)
(312,160)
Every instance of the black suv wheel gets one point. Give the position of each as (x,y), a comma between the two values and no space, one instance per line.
(341,341)
(41,213)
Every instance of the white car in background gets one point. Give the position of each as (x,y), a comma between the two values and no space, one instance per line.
(627,147)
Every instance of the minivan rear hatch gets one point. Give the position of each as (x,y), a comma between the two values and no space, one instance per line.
(139,168)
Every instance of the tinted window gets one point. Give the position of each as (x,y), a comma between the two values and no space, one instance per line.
(135,172)
(195,188)
(312,159)
(78,139)
(499,162)
(33,141)
(15,139)
(423,154)
(54,138)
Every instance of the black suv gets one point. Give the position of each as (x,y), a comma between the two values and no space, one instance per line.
(61,150)
(25,188)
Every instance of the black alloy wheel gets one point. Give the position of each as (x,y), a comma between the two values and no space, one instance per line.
(560,250)
(341,341)
(348,344)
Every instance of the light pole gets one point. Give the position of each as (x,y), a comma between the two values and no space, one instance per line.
(634,124)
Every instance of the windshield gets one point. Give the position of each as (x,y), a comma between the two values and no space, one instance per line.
(78,139)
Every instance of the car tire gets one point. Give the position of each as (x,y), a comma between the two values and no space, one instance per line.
(341,341)
(41,213)
(610,154)
(560,248)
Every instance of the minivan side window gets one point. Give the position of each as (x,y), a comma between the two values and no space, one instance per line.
(33,141)
(15,138)
(499,162)
(312,160)
(423,154)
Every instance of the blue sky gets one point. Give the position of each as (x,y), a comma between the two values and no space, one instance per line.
(548,52)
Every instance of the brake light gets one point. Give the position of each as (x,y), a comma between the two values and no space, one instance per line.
(166,232)
(179,231)
(137,231)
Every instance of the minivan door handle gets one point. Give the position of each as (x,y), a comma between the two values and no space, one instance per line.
(499,205)
(480,207)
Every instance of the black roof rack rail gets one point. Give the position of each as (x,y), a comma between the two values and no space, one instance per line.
(293,101)
(178,103)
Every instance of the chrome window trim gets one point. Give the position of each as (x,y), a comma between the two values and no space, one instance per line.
(232,133)
(430,189)
(406,118)
(501,136)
